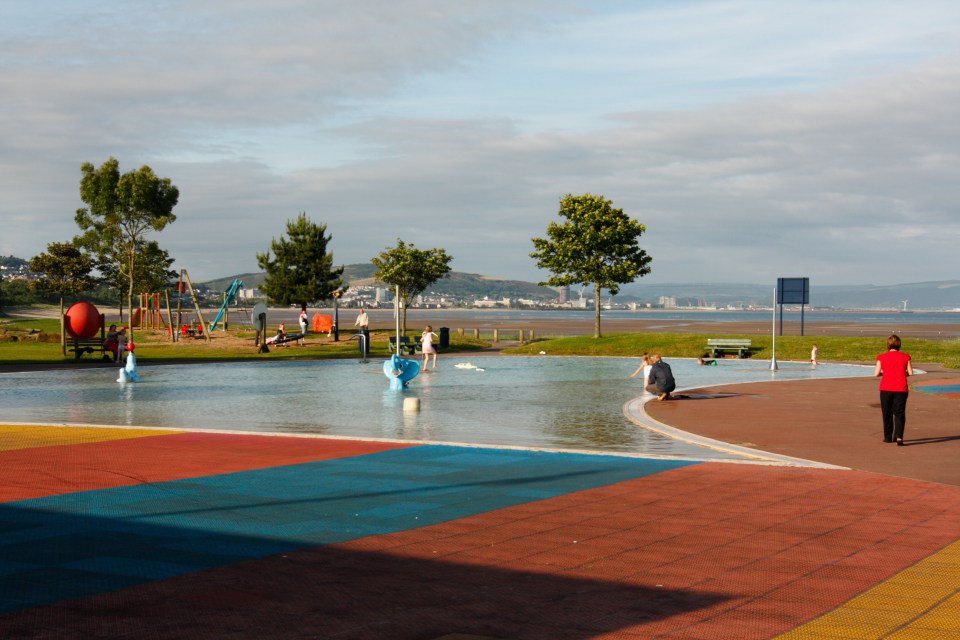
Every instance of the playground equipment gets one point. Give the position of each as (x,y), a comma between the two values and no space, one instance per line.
(82,321)
(183,287)
(129,371)
(228,297)
(148,315)
(321,323)
(363,341)
(400,371)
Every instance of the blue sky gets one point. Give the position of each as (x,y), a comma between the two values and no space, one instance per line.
(753,139)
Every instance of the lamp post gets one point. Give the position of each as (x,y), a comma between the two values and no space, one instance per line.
(336,317)
(773,333)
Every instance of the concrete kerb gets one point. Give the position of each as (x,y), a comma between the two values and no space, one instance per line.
(635,411)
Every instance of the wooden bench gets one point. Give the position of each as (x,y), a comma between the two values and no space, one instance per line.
(405,344)
(717,346)
(80,346)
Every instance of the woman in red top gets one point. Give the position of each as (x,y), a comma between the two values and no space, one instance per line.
(894,367)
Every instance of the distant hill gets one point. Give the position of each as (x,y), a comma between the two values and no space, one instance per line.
(456,284)
(937,295)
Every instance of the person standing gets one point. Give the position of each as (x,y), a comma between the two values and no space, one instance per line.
(813,357)
(363,321)
(303,320)
(645,366)
(661,383)
(893,368)
(426,346)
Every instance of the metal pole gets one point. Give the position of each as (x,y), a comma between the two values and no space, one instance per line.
(396,315)
(336,317)
(773,333)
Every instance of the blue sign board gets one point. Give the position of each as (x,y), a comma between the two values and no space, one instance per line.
(793,290)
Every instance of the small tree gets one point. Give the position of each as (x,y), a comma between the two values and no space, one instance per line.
(410,269)
(121,210)
(65,271)
(301,271)
(596,245)
(152,270)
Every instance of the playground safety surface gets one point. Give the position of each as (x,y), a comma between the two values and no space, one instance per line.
(136,533)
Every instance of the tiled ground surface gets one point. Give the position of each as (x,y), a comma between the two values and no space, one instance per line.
(133,534)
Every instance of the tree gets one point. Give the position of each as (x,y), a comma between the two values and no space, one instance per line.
(410,269)
(121,210)
(152,270)
(301,271)
(597,245)
(15,293)
(65,270)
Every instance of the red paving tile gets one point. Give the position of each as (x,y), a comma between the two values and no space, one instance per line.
(115,463)
(739,551)
(510,574)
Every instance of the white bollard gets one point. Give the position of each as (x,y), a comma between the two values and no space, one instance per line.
(411,404)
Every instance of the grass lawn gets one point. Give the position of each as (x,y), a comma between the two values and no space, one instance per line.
(19,346)
(691,345)
(31,341)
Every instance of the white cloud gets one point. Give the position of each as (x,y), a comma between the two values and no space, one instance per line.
(753,139)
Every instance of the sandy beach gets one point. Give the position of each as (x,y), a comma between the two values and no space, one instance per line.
(558,324)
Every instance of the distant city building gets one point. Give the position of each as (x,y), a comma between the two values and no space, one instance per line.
(564,293)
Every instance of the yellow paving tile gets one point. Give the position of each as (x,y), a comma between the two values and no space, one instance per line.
(922,601)
(14,436)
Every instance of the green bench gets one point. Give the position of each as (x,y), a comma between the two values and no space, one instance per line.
(718,346)
(405,344)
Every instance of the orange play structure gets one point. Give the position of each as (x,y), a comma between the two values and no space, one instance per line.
(321,323)
(148,315)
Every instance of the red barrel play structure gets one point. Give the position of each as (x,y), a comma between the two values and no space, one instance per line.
(82,320)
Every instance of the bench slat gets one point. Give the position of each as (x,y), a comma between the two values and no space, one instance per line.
(717,346)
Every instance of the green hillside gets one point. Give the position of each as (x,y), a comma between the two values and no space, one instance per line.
(457,284)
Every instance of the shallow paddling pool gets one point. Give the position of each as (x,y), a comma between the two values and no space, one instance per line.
(552,402)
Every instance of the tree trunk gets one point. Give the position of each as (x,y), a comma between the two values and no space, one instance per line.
(130,296)
(63,333)
(596,307)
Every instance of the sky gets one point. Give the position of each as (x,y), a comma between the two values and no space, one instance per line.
(754,139)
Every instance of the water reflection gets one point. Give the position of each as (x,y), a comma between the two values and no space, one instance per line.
(554,402)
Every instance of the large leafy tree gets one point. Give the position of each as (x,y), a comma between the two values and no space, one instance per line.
(410,269)
(152,270)
(300,271)
(64,270)
(121,210)
(596,245)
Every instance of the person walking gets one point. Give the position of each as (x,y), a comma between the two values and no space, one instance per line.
(426,346)
(661,383)
(813,357)
(893,368)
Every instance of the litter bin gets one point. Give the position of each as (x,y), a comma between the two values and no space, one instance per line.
(444,337)
(363,343)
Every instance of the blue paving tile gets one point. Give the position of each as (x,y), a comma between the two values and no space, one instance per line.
(114,538)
